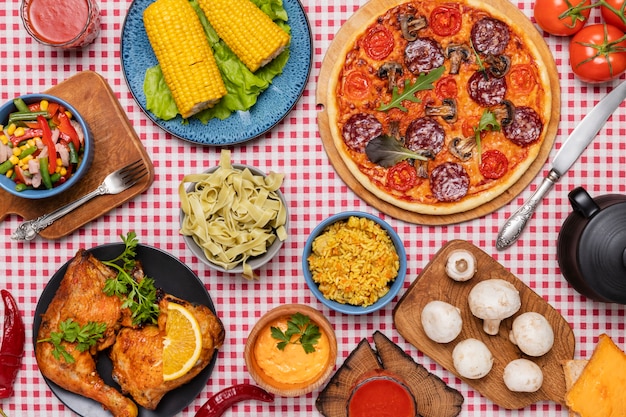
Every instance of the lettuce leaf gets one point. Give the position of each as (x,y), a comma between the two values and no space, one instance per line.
(243,87)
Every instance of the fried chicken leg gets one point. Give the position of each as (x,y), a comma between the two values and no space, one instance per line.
(80,298)
(137,354)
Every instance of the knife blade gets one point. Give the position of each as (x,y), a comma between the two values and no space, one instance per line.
(570,151)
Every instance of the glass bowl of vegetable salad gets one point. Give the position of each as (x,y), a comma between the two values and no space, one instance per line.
(45,146)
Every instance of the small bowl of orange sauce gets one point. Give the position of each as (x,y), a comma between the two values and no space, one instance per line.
(62,24)
(291,365)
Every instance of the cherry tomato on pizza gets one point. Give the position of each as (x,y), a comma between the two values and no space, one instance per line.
(614,13)
(522,78)
(562,17)
(446,87)
(469,126)
(598,53)
(378,43)
(494,164)
(445,20)
(402,176)
(356,85)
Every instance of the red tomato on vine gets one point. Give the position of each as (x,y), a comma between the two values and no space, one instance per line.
(613,13)
(598,53)
(562,17)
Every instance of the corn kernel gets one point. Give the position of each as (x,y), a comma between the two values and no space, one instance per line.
(68,114)
(19,132)
(63,171)
(14,159)
(16,151)
(31,142)
(11,129)
(44,105)
(27,158)
(59,162)
(4,139)
(9,173)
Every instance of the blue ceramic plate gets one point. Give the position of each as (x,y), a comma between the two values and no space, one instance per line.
(272,105)
(396,285)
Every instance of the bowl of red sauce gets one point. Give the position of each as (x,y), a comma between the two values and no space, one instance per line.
(382,394)
(63,24)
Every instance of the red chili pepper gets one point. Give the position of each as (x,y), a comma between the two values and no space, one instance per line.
(66,128)
(12,345)
(46,138)
(223,400)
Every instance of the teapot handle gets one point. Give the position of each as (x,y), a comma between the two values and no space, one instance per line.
(582,202)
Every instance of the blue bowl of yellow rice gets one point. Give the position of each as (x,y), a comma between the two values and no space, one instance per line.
(354,262)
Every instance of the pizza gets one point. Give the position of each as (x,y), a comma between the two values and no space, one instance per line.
(438,107)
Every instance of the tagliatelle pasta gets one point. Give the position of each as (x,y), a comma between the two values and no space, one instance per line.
(233,214)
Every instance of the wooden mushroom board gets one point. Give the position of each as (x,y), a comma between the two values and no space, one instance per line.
(116,145)
(434,284)
(334,57)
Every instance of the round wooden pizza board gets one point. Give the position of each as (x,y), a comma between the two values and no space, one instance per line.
(363,17)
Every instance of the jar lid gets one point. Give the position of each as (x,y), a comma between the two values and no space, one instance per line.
(602,253)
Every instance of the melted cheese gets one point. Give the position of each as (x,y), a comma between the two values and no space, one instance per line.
(599,391)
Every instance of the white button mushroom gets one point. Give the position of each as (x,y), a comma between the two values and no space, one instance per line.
(532,334)
(494,300)
(461,265)
(472,359)
(441,321)
(522,375)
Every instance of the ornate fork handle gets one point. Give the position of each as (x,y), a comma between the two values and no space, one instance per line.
(29,229)
(514,226)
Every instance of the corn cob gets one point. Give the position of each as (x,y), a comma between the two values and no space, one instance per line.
(246,29)
(183,51)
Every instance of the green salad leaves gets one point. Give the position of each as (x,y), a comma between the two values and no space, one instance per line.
(243,86)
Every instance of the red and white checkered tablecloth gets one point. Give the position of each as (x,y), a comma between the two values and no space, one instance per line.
(314,191)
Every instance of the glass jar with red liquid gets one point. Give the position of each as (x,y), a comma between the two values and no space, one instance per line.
(63,24)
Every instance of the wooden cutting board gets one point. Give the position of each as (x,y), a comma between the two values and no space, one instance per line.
(116,145)
(434,284)
(334,56)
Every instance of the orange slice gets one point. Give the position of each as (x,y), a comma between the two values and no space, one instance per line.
(182,344)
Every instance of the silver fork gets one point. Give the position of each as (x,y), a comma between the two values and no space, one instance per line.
(114,183)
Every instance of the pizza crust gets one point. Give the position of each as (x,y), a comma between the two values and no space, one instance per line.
(471,201)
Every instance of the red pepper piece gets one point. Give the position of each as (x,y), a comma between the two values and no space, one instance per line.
(66,128)
(53,108)
(223,400)
(46,138)
(12,344)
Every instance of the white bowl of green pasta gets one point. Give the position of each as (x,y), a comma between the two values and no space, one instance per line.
(233,217)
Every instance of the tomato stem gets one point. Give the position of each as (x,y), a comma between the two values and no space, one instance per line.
(575,12)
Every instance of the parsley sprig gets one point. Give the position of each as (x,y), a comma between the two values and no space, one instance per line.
(139,297)
(70,331)
(423,82)
(299,325)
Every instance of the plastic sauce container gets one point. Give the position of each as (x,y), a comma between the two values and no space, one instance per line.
(64,24)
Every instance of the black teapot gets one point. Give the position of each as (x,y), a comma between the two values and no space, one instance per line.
(591,247)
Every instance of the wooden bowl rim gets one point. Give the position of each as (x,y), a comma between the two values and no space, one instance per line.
(273,314)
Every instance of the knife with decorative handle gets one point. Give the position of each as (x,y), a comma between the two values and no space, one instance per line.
(571,150)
